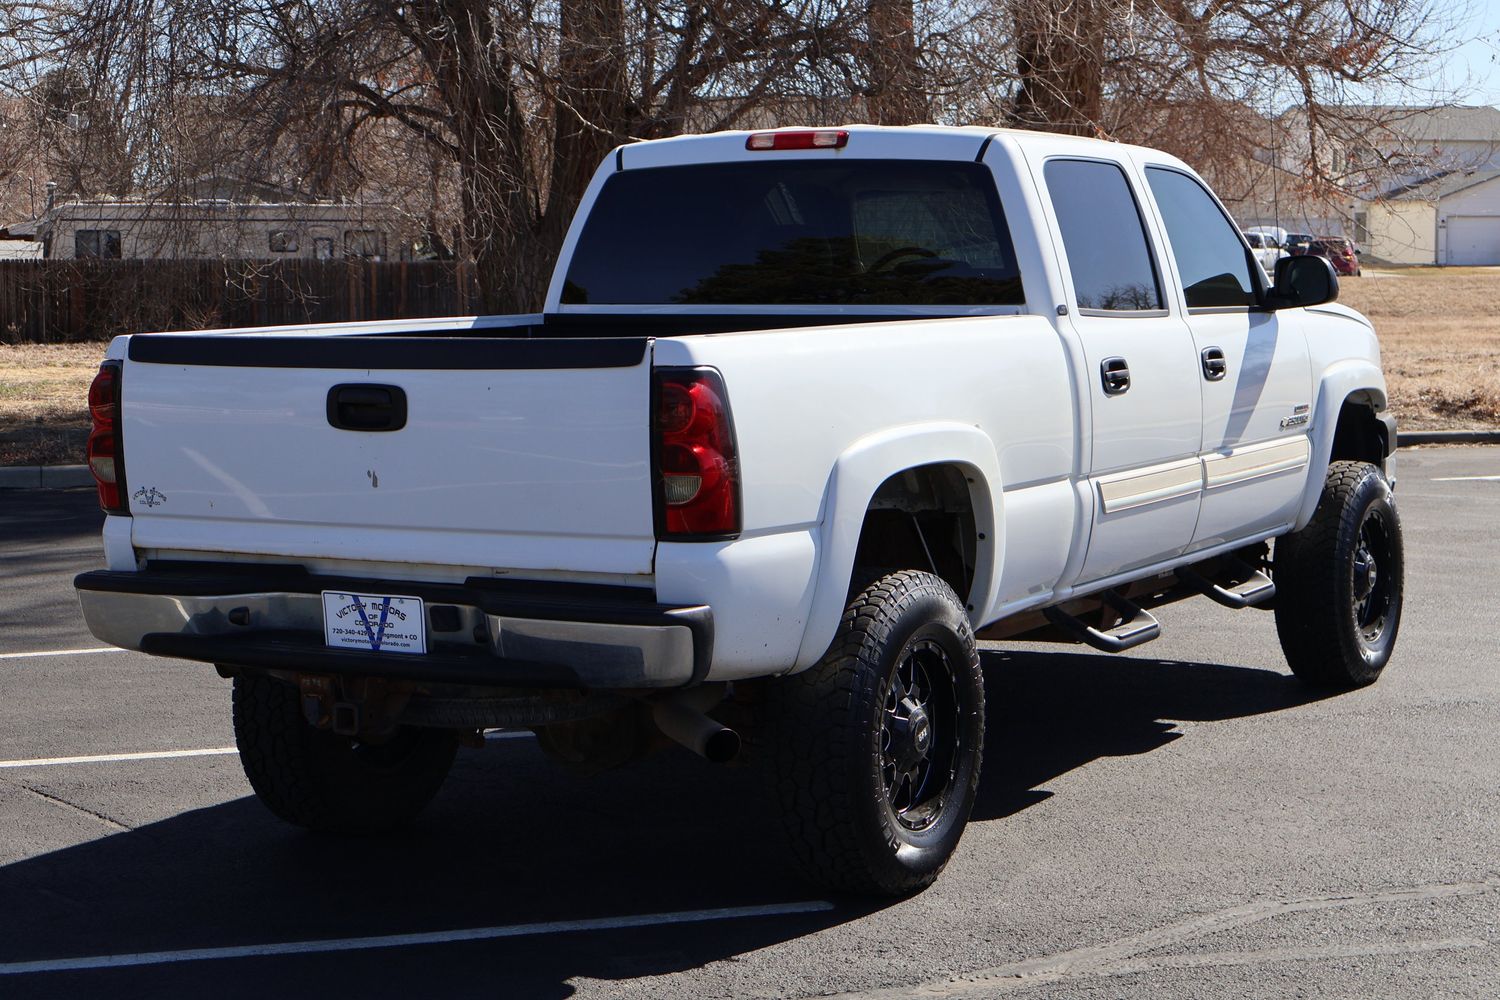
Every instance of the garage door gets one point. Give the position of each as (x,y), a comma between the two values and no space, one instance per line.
(1473,239)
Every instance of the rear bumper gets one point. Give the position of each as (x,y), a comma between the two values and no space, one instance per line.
(500,633)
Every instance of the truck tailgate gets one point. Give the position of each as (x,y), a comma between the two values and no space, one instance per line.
(516,454)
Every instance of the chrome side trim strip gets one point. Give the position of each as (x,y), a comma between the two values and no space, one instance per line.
(1153,485)
(1255,461)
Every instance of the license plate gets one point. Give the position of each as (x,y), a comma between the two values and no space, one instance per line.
(374,623)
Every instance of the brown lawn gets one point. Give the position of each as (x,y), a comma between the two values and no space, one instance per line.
(1440,342)
(44,402)
(1439,333)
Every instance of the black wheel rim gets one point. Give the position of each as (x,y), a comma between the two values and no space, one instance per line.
(920,735)
(1372,569)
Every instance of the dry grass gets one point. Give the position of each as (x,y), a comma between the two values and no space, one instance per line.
(1440,343)
(1439,334)
(43,402)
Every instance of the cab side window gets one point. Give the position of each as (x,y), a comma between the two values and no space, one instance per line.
(1103,236)
(1213,263)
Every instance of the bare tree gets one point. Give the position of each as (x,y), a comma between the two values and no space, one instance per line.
(897,92)
(488,119)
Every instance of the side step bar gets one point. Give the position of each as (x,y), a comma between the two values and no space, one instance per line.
(1139,626)
(1254,588)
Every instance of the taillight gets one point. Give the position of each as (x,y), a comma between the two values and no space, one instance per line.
(823,138)
(697,470)
(106,461)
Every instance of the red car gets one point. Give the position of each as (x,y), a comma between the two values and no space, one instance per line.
(1340,253)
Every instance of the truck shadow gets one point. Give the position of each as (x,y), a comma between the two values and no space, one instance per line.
(47,536)
(1048,713)
(50,517)
(513,839)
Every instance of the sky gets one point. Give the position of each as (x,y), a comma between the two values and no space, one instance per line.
(1472,71)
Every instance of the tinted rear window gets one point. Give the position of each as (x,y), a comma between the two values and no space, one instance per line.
(1103,235)
(873,232)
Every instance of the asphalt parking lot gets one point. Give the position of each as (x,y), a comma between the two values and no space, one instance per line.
(1184,821)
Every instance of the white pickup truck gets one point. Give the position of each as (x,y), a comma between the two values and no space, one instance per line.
(807,413)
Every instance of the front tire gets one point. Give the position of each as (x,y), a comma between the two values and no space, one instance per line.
(1339,582)
(876,750)
(320,780)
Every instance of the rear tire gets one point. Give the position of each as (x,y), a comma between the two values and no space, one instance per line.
(875,751)
(1339,582)
(320,780)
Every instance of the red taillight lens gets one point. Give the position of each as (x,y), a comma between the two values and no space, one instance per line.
(697,470)
(105,462)
(823,138)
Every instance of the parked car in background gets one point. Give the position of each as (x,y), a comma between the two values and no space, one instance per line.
(1340,252)
(1297,244)
(1265,248)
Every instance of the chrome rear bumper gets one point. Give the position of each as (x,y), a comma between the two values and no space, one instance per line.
(504,635)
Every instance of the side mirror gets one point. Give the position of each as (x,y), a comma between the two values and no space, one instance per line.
(1304,280)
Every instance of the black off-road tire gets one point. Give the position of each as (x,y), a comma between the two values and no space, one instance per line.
(1339,582)
(867,809)
(320,780)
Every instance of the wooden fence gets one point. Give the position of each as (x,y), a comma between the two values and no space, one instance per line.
(53,301)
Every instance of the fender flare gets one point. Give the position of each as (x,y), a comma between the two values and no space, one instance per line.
(1339,382)
(857,474)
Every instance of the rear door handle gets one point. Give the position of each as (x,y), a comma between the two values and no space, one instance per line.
(1214,365)
(356,407)
(1115,374)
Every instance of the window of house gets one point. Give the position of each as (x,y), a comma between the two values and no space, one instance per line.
(323,247)
(97,244)
(1104,236)
(1361,228)
(1214,264)
(365,244)
(283,241)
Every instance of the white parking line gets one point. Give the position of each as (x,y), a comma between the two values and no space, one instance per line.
(106,758)
(62,652)
(1466,479)
(409,940)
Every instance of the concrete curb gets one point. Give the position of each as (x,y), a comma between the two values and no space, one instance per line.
(1406,439)
(63,477)
(45,477)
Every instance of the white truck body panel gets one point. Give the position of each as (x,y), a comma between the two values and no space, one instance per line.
(527,469)
(546,474)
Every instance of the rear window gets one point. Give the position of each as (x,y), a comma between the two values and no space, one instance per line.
(872,232)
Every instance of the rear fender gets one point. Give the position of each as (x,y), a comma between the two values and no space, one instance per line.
(857,474)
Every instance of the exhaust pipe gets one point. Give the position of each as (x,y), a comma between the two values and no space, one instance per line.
(708,739)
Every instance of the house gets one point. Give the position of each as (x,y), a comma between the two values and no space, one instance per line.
(1427,195)
(1399,146)
(1416,182)
(219,228)
(1453,218)
(18,242)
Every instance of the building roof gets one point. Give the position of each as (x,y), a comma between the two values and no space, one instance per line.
(1440,186)
(1427,125)
(20,230)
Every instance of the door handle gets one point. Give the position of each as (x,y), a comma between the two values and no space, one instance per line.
(355,407)
(1115,373)
(1214,365)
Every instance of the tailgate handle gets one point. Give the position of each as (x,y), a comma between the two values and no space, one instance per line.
(355,407)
